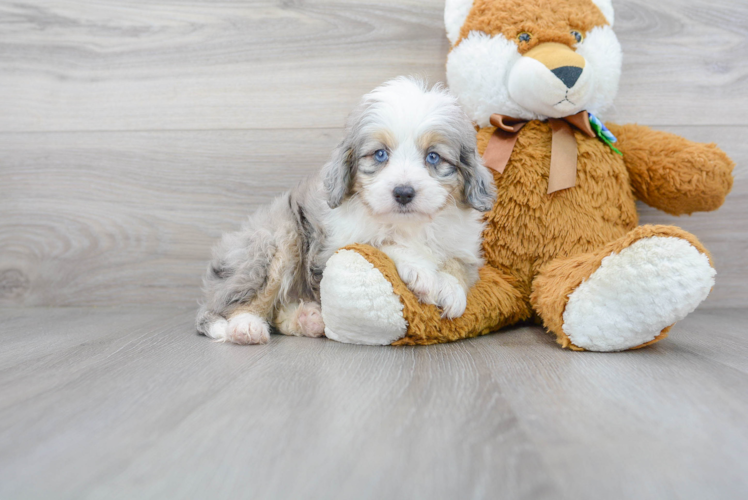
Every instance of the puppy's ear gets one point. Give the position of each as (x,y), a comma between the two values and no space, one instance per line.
(338,174)
(478,190)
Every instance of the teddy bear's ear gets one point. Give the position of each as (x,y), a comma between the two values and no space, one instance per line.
(606,6)
(455,13)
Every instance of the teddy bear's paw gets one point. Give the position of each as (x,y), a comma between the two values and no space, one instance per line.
(452,298)
(246,329)
(636,293)
(359,305)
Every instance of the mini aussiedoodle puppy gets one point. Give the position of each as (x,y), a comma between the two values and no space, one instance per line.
(406,179)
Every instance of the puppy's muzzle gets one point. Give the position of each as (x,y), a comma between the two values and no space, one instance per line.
(404,194)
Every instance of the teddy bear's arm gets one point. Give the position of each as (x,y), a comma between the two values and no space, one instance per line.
(353,299)
(671,173)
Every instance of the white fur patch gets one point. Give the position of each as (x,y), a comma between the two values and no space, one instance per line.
(637,293)
(603,54)
(218,329)
(478,71)
(606,6)
(359,306)
(455,13)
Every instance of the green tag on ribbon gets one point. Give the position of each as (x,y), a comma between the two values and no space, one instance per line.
(603,133)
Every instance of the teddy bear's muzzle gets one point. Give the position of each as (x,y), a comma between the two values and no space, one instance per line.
(551,80)
(561,60)
(557,56)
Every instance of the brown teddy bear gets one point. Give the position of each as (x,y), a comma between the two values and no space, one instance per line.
(562,243)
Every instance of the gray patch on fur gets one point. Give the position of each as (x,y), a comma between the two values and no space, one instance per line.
(239,269)
(479,189)
(339,174)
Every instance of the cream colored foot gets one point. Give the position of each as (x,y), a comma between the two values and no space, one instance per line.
(637,293)
(359,305)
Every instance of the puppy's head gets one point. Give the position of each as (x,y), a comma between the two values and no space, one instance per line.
(409,152)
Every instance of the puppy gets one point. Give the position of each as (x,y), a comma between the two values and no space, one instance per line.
(406,179)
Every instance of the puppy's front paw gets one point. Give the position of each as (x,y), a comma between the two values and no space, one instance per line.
(452,297)
(423,282)
(247,328)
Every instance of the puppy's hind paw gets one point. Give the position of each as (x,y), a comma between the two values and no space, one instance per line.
(309,317)
(247,329)
(303,319)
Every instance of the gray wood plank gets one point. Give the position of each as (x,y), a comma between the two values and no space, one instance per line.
(112,218)
(162,64)
(637,424)
(708,337)
(129,217)
(147,409)
(188,418)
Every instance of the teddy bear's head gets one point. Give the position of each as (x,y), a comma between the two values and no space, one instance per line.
(532,59)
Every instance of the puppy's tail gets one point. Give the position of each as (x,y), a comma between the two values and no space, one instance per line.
(205,320)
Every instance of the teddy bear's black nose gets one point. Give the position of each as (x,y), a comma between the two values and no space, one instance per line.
(568,74)
(404,194)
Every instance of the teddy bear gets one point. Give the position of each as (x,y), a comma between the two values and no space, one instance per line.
(562,243)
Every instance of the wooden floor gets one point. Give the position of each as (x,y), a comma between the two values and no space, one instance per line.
(130,403)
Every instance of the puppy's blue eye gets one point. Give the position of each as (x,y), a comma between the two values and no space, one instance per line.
(433,158)
(381,155)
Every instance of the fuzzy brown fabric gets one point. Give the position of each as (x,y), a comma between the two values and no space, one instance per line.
(674,174)
(528,227)
(544,20)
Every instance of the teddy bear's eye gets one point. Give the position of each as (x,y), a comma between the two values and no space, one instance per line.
(577,35)
(524,37)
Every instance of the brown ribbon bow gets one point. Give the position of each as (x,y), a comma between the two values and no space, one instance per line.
(563,174)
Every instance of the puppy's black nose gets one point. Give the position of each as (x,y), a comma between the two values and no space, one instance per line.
(568,74)
(404,194)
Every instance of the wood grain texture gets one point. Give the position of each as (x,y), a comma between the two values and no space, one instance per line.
(130,403)
(233,64)
(108,218)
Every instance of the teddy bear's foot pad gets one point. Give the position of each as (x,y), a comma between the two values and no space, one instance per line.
(359,305)
(636,293)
